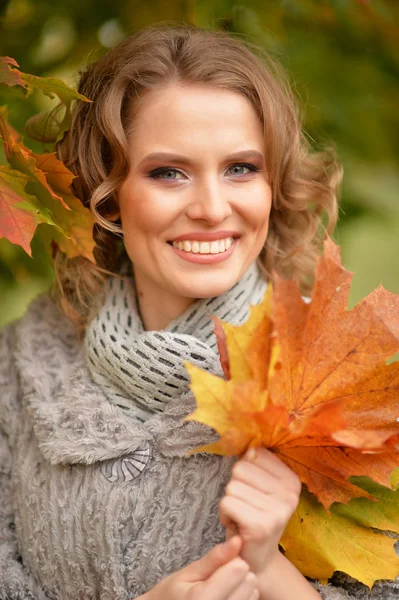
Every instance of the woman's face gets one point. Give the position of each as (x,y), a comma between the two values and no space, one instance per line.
(195,206)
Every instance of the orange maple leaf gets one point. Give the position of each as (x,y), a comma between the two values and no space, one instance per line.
(18,217)
(77,237)
(23,159)
(51,202)
(8,75)
(311,382)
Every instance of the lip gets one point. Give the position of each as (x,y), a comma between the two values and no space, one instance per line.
(202,236)
(205,259)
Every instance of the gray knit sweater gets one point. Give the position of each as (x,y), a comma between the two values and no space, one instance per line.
(69,530)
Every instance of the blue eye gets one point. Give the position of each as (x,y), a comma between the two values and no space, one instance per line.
(239,166)
(164,173)
(170,173)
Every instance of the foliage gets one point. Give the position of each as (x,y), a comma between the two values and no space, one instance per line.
(36,188)
(310,382)
(343,59)
(350,539)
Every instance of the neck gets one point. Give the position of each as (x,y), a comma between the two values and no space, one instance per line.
(158,310)
(141,371)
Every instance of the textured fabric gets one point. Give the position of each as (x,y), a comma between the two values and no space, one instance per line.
(16,583)
(80,535)
(343,587)
(142,370)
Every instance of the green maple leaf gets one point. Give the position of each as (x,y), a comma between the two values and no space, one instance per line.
(50,125)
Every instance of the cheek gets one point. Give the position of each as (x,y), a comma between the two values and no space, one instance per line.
(258,210)
(142,212)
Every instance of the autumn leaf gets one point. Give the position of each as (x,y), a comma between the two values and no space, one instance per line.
(50,125)
(346,540)
(8,75)
(57,174)
(50,86)
(310,381)
(18,215)
(75,234)
(23,159)
(37,189)
(77,237)
(324,368)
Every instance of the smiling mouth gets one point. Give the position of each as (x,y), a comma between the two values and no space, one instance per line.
(197,247)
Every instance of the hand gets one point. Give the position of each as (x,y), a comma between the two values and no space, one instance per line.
(260,498)
(219,575)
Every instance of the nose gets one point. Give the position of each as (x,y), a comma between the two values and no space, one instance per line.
(209,203)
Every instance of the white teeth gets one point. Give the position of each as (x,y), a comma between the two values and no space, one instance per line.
(215,247)
(204,248)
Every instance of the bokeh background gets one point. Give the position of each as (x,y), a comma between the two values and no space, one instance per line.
(343,60)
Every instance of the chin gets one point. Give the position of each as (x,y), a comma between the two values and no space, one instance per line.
(208,287)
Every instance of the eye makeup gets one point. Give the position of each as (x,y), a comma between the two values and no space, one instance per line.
(159,172)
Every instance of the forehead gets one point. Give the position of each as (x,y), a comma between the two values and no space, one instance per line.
(184,116)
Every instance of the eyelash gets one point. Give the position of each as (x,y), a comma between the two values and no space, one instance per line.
(155,174)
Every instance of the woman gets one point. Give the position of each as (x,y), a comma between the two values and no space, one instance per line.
(191,153)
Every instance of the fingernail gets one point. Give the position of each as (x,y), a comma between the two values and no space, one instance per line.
(251,578)
(251,454)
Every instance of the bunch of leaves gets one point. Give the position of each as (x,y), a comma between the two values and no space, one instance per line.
(312,382)
(36,188)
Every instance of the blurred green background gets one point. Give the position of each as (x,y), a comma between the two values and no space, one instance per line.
(343,60)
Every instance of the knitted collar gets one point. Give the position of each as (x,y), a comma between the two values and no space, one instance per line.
(141,371)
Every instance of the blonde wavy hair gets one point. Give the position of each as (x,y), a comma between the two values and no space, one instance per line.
(304,183)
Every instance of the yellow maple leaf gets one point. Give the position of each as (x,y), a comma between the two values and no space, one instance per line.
(310,381)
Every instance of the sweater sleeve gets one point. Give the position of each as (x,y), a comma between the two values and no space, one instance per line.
(16,583)
(332,592)
(343,587)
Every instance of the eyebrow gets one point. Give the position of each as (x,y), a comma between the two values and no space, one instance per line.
(179,159)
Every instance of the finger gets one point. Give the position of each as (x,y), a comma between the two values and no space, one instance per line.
(255,525)
(231,530)
(247,493)
(246,590)
(268,461)
(202,569)
(261,500)
(226,580)
(254,476)
(264,481)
